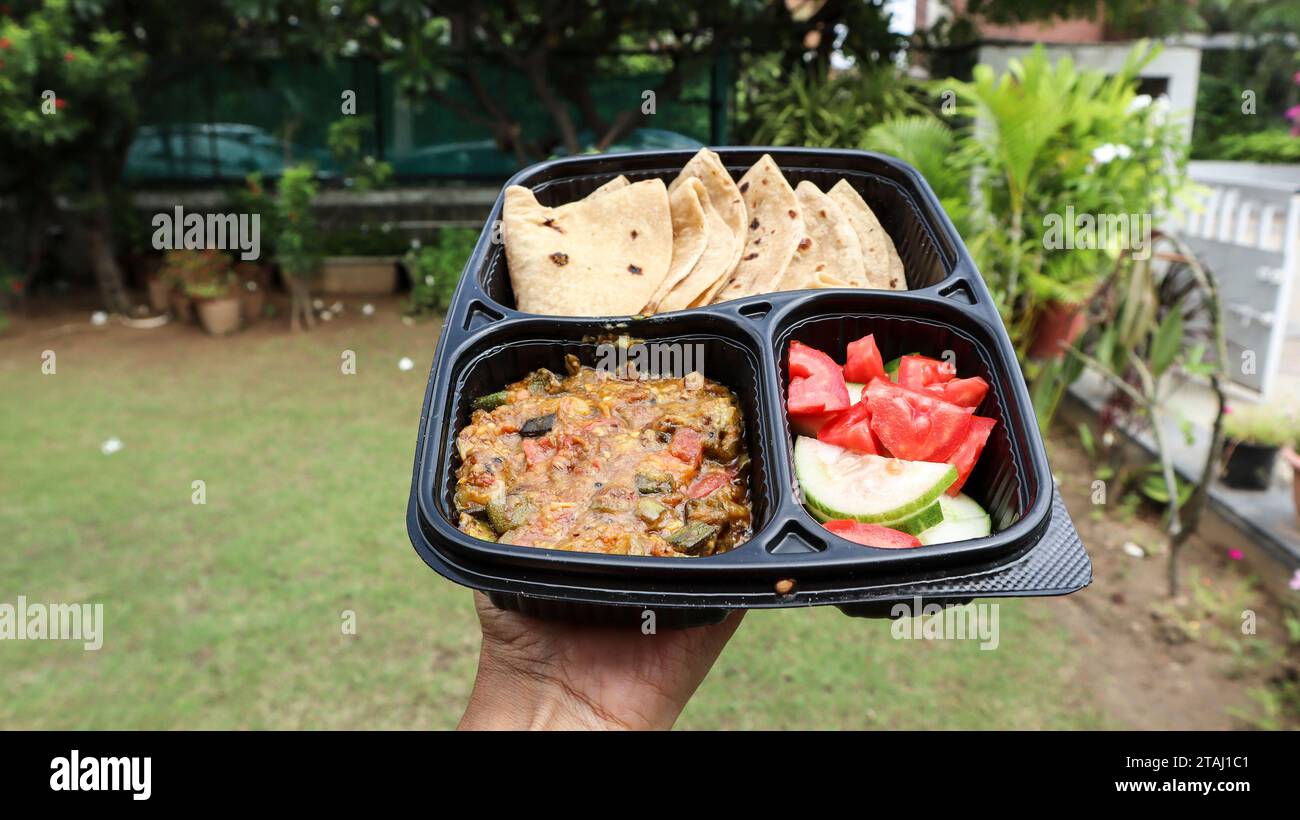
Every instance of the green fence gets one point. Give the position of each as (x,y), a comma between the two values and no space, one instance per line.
(223,122)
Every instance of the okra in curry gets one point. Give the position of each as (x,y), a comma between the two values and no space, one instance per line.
(598,462)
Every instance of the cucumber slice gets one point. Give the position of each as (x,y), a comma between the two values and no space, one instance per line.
(950,531)
(839,483)
(809,425)
(891,366)
(963,519)
(912,524)
(961,508)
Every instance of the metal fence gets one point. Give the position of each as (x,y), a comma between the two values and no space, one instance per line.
(224,122)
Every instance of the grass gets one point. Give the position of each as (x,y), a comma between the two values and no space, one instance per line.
(228,614)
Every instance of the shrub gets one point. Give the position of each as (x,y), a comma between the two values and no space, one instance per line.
(435,269)
(1277,145)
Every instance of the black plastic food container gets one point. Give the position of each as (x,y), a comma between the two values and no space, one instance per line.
(486,344)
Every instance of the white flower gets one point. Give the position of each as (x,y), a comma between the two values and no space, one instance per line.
(405,363)
(1103,154)
(1160,110)
(350,48)
(428,280)
(111,446)
(1139,102)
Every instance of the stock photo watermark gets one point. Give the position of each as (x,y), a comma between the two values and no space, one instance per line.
(919,621)
(75,773)
(32,621)
(179,230)
(646,360)
(1084,231)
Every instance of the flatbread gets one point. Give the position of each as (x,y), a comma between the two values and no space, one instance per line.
(713,264)
(725,197)
(884,266)
(690,236)
(614,184)
(829,255)
(772,233)
(600,256)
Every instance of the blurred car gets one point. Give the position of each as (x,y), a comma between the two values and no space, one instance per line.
(207,151)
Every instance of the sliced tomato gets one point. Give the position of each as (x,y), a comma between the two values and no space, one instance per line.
(537,450)
(913,425)
(917,372)
(961,392)
(851,429)
(707,483)
(967,452)
(816,382)
(864,362)
(872,535)
(687,445)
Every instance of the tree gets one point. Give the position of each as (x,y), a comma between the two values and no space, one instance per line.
(438,49)
(65,102)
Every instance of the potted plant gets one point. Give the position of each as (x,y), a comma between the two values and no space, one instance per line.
(177,268)
(1253,435)
(253,281)
(361,261)
(297,246)
(364,260)
(212,285)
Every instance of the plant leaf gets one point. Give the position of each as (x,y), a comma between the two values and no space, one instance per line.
(1167,341)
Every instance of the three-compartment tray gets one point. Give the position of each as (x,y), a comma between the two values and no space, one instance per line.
(486,343)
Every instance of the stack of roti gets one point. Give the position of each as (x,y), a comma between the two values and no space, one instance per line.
(644,247)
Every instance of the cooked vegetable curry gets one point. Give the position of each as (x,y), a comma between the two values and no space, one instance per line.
(599,463)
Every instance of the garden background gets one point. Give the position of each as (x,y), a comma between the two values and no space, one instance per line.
(371,139)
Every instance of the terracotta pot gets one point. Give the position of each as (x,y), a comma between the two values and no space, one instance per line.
(358,275)
(1248,466)
(1057,322)
(219,316)
(182,306)
(252,303)
(160,291)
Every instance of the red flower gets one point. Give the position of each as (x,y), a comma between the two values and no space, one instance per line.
(5,42)
(69,56)
(59,102)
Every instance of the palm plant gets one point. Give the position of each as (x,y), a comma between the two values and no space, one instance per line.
(1044,140)
(930,146)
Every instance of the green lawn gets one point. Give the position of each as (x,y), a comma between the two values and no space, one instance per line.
(227,615)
